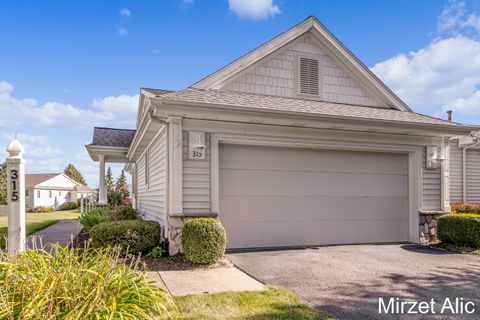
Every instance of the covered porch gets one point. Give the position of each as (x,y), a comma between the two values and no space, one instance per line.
(109,145)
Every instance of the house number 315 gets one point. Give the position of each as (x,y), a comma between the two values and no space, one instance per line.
(14,180)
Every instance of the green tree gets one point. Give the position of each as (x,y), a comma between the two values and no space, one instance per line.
(3,183)
(121,186)
(109,183)
(73,173)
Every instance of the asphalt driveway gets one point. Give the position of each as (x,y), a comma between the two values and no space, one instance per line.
(347,281)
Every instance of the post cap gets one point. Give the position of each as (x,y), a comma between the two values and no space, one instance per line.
(15,148)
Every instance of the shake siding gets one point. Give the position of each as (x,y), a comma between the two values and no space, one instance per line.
(456,178)
(473,176)
(151,199)
(196,180)
(430,186)
(276,76)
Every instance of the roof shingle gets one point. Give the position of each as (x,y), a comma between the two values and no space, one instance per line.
(274,103)
(111,137)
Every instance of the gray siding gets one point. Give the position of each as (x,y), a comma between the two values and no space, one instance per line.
(276,76)
(473,176)
(430,186)
(456,178)
(151,199)
(196,180)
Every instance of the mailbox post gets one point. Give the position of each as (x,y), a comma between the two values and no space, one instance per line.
(16,197)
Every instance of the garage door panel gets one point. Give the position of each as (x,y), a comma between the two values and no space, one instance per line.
(272,196)
(233,156)
(310,183)
(273,208)
(297,233)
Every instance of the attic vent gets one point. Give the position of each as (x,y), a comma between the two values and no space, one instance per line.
(308,76)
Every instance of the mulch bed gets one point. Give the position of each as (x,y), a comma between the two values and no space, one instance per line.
(170,263)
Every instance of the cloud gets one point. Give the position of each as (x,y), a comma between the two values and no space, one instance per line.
(255,9)
(457,18)
(444,75)
(41,155)
(122,32)
(187,2)
(125,12)
(112,111)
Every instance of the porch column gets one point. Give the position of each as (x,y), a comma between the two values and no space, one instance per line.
(102,192)
(445,176)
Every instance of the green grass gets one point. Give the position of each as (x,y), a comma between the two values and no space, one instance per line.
(38,221)
(270,304)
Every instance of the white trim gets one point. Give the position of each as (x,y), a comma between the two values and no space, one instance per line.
(414,164)
(175,170)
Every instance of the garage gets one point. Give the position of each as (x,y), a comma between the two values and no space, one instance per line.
(281,197)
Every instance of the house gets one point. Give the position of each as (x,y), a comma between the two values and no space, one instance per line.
(52,189)
(295,143)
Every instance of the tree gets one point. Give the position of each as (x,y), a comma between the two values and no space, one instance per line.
(109,184)
(121,186)
(3,183)
(73,173)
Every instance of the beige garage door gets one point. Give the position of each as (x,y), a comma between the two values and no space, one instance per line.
(273,196)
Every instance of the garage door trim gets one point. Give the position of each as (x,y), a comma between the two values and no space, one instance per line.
(414,164)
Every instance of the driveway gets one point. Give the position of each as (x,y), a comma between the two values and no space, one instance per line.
(347,281)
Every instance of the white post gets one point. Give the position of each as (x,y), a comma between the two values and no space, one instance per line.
(16,197)
(102,192)
(81,203)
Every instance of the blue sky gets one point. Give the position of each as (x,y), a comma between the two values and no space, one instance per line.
(66,66)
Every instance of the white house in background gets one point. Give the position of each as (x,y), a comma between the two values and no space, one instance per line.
(52,189)
(295,143)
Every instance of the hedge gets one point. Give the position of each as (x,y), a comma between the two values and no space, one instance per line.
(134,236)
(460,229)
(465,208)
(203,240)
(69,205)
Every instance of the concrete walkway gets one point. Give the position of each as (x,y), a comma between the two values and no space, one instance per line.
(180,283)
(61,232)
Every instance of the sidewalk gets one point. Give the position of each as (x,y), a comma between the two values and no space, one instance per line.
(61,232)
(180,283)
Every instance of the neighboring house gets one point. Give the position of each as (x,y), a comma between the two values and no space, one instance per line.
(295,143)
(52,189)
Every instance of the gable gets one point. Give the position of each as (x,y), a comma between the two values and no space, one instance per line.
(60,181)
(279,75)
(347,79)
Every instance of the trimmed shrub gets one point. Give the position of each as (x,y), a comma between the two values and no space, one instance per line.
(460,229)
(134,236)
(465,208)
(42,209)
(93,217)
(68,284)
(126,212)
(203,240)
(69,205)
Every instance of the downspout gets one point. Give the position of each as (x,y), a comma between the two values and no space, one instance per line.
(152,117)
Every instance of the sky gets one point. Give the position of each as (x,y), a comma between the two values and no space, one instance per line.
(67,66)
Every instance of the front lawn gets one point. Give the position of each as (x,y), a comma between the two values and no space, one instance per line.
(270,304)
(37,221)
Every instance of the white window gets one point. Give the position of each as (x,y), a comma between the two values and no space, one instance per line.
(26,193)
(49,193)
(308,75)
(38,193)
(59,193)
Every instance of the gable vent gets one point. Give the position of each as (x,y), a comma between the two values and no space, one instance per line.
(308,76)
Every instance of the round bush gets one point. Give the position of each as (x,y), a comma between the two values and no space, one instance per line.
(203,240)
(132,235)
(460,229)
